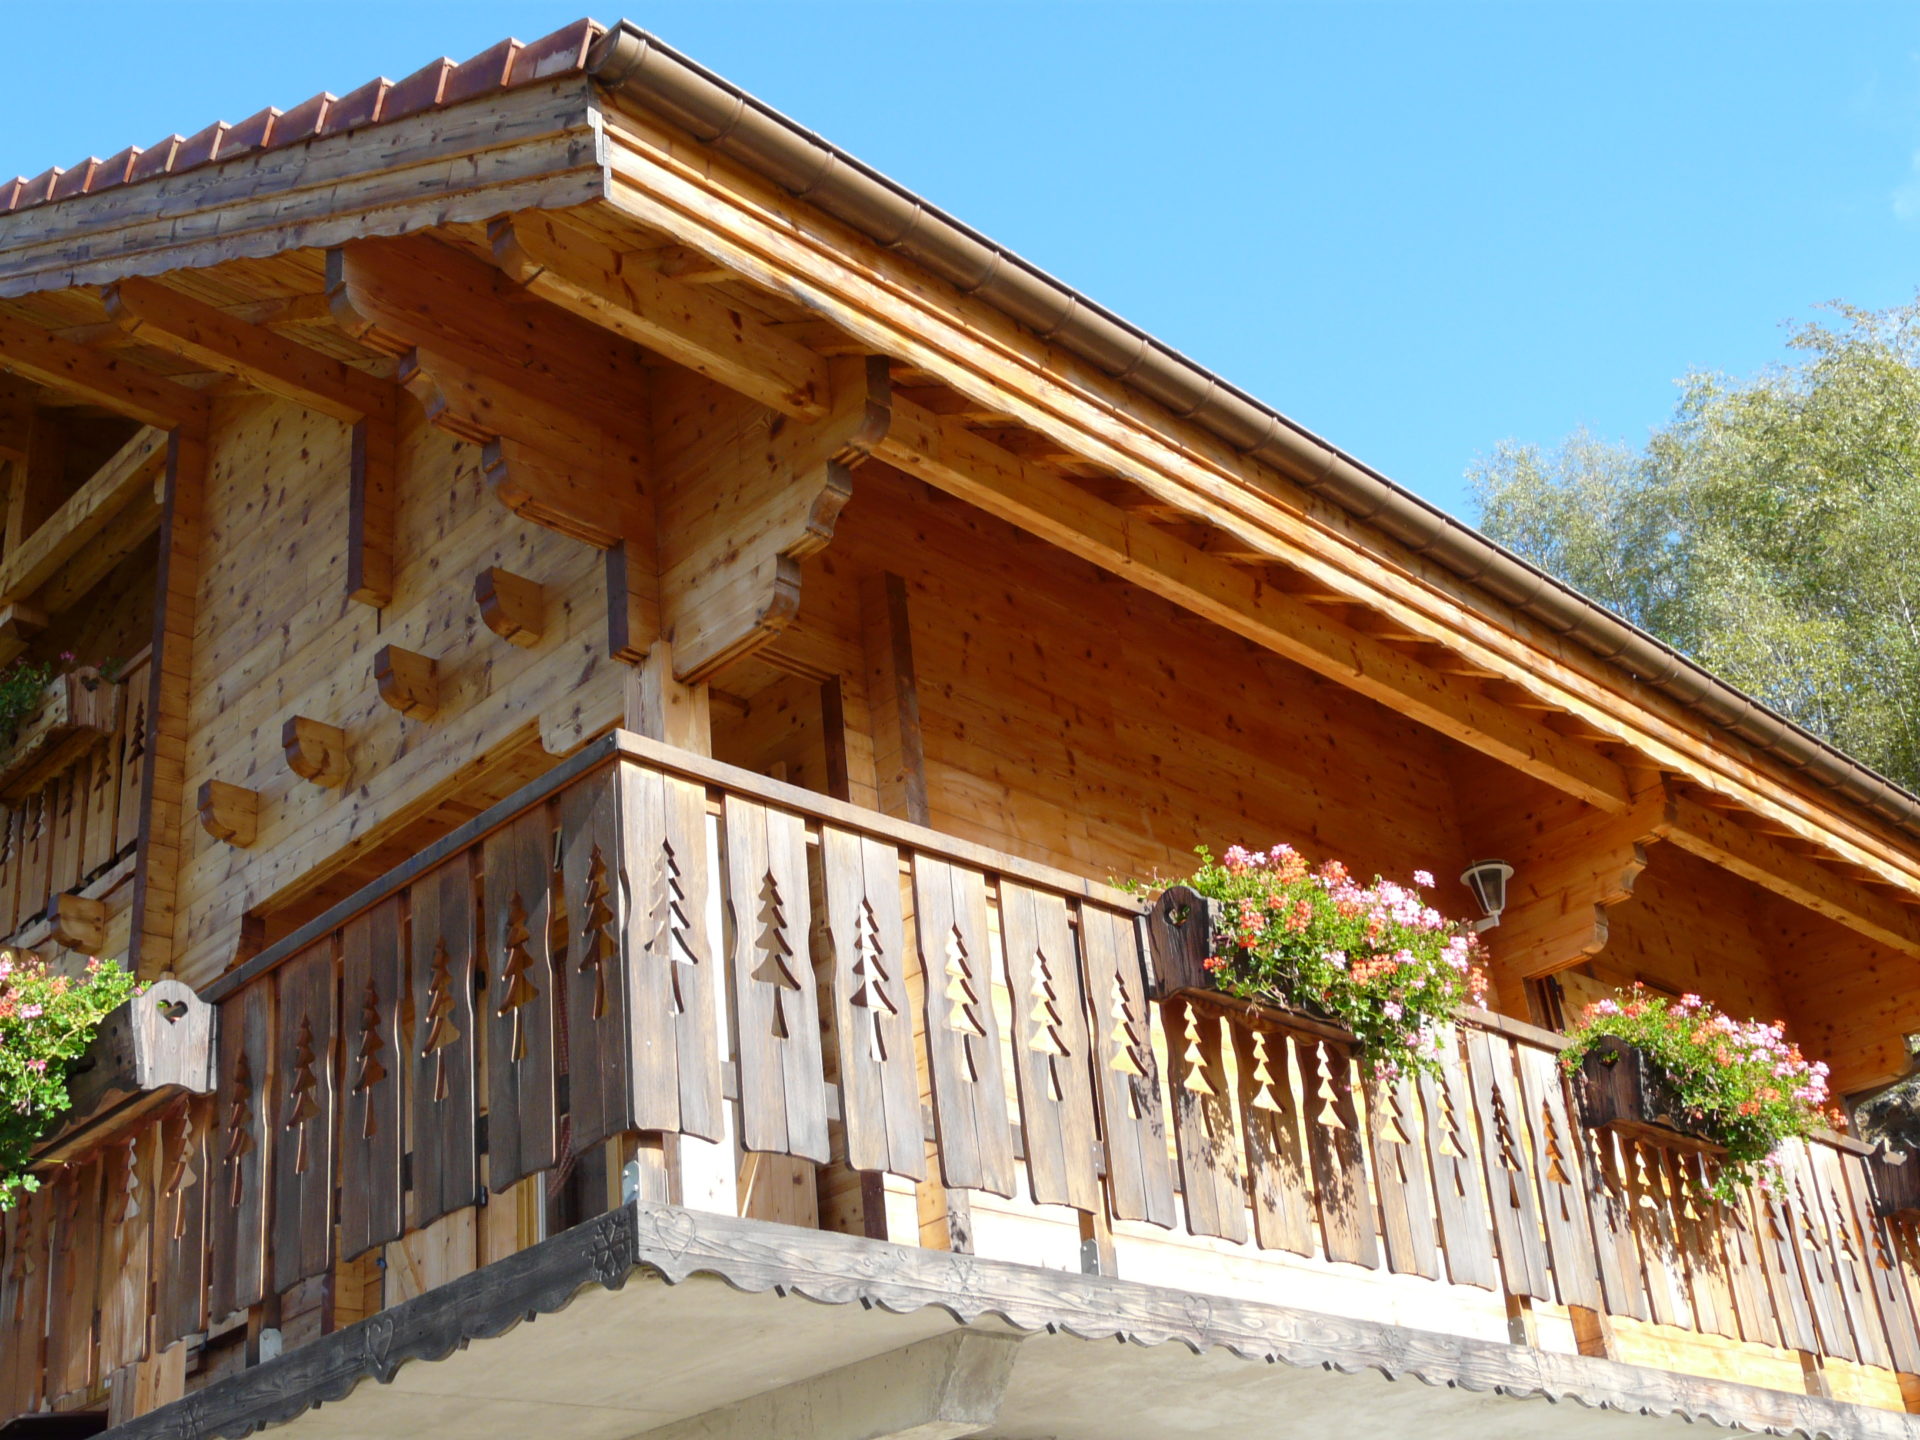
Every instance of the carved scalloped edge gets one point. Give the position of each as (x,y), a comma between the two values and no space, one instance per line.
(832,1269)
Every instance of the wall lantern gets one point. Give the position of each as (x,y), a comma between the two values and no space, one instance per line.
(1488,881)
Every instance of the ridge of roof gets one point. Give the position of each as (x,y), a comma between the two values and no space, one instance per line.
(506,65)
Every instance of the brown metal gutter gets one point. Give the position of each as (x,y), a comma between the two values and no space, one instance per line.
(637,67)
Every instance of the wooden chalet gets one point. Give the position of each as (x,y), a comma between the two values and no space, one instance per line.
(626,652)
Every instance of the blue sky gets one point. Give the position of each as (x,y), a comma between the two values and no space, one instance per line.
(1417,229)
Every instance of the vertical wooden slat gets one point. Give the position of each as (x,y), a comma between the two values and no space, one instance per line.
(372,1131)
(1850,1254)
(23,1306)
(69,790)
(523,1135)
(36,855)
(1793,1306)
(1050,1046)
(1465,1234)
(1203,1123)
(1510,1189)
(442,948)
(1812,1249)
(1332,1124)
(1277,1181)
(74,1276)
(676,1049)
(103,778)
(1623,1289)
(776,1010)
(1126,1073)
(13,834)
(240,1147)
(1657,1233)
(873,1014)
(126,1263)
(1883,1268)
(599,1021)
(1746,1269)
(183,1186)
(963,1035)
(305,1100)
(1562,1181)
(1400,1178)
(132,743)
(1707,1279)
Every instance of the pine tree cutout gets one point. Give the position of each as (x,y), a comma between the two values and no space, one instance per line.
(775,967)
(181,1177)
(437,1016)
(963,1001)
(137,734)
(1124,1041)
(1392,1120)
(669,926)
(1045,1018)
(1505,1149)
(1264,1082)
(239,1136)
(124,1205)
(598,948)
(1193,1057)
(516,985)
(870,982)
(302,1104)
(1556,1159)
(371,1071)
(1325,1092)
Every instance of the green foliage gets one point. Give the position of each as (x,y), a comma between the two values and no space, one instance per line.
(1741,1081)
(1769,530)
(22,687)
(1377,959)
(46,1023)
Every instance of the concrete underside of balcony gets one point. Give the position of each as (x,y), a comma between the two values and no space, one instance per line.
(653,1321)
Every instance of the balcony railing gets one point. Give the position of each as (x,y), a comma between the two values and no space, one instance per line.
(648,941)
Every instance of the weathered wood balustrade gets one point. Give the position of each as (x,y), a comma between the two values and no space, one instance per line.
(647,943)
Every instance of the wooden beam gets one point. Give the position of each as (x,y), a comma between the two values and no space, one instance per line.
(229,812)
(893,698)
(512,606)
(371,480)
(195,331)
(163,778)
(408,681)
(952,459)
(112,382)
(38,481)
(742,497)
(688,325)
(1725,840)
(316,751)
(633,603)
(562,494)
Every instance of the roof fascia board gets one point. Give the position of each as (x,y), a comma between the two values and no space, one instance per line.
(666,183)
(535,147)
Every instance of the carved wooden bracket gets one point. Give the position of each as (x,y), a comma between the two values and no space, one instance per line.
(408,681)
(229,812)
(743,495)
(316,751)
(512,606)
(78,923)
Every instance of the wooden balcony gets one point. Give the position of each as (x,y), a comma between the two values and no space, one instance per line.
(654,978)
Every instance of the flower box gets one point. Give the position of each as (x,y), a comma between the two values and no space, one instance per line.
(1622,1090)
(1181,931)
(157,1045)
(79,710)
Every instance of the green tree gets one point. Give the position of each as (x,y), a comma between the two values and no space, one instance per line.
(1771,529)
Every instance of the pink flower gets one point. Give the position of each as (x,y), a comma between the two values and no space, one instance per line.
(1423,878)
(29,1012)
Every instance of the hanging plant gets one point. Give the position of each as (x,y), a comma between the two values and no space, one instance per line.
(1377,960)
(46,1024)
(1698,1075)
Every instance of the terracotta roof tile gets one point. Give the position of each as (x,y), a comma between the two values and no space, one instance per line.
(419,91)
(358,107)
(499,67)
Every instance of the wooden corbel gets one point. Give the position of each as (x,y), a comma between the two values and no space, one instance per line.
(512,606)
(78,923)
(743,495)
(229,812)
(316,751)
(408,681)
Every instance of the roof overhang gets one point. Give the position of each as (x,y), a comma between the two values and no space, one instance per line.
(651,1317)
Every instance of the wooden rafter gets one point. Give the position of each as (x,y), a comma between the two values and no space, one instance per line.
(113,382)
